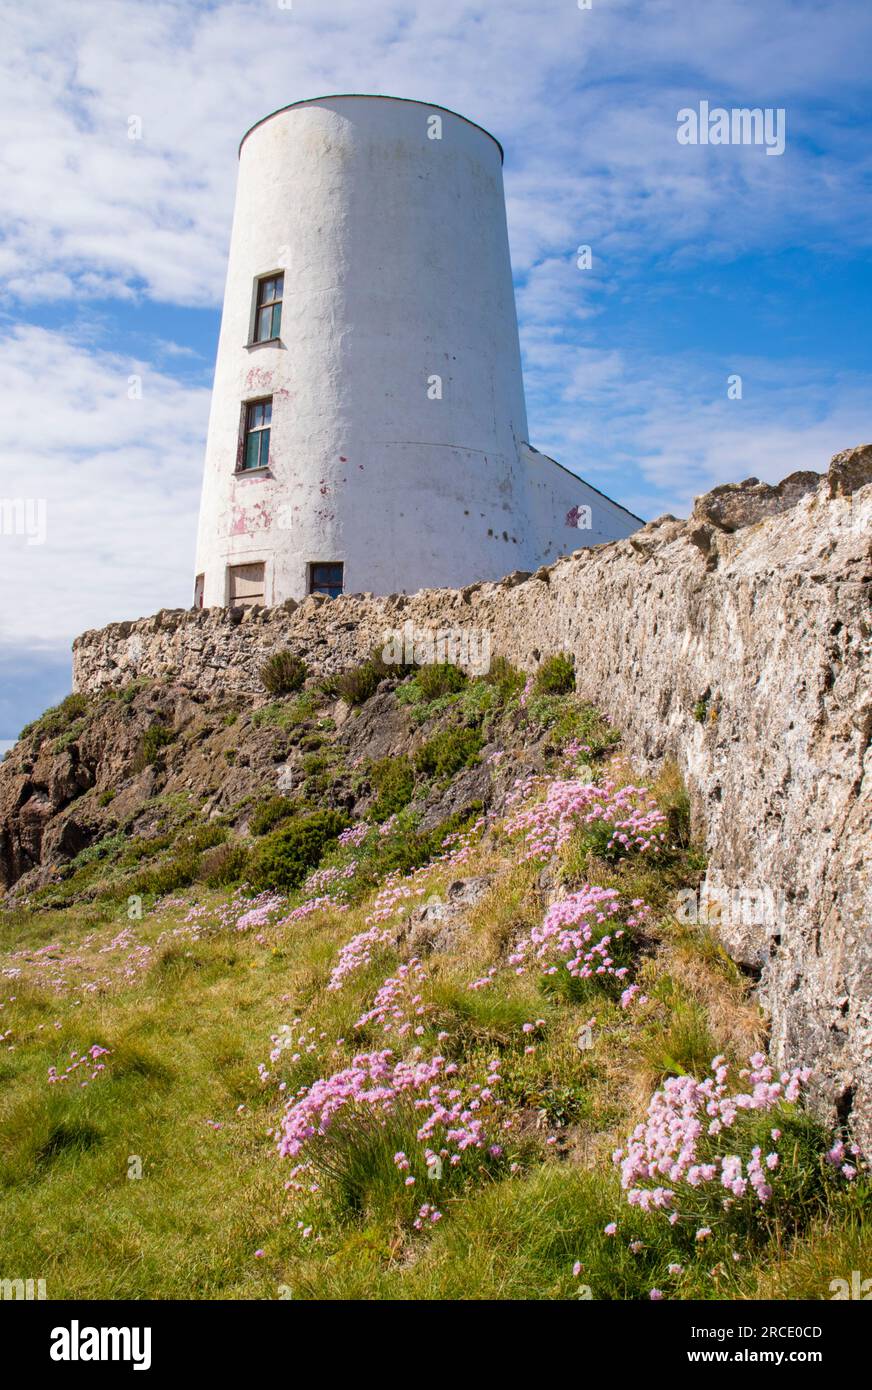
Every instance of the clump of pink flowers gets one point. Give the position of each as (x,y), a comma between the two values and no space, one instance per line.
(631,817)
(426,1213)
(260,912)
(88,1063)
(376,1084)
(396,894)
(460,1117)
(357,953)
(846,1158)
(312,905)
(574,749)
(632,995)
(375,1081)
(574,934)
(354,835)
(683,1146)
(332,876)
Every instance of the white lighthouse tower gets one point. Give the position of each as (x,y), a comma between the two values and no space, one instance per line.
(368,430)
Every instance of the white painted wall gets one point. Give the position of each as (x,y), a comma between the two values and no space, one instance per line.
(395,255)
(565,513)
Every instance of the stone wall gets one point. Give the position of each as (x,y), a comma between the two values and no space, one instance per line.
(737,643)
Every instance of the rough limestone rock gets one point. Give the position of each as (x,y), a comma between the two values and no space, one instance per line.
(737,643)
(734,505)
(439,922)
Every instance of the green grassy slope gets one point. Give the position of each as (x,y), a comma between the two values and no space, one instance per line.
(152,1171)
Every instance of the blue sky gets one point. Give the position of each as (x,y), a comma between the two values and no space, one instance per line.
(707,260)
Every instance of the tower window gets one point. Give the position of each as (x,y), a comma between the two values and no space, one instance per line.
(325,579)
(258,420)
(268,315)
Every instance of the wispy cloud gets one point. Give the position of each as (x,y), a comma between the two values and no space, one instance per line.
(585,101)
(660,432)
(114,448)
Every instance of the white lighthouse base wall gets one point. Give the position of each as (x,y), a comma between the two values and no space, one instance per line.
(455,517)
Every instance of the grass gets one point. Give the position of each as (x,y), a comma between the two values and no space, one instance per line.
(285,714)
(269,813)
(156,1236)
(160,1179)
(566,720)
(185,1041)
(556,675)
(57,720)
(155,738)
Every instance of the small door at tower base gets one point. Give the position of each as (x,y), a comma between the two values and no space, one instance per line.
(246,585)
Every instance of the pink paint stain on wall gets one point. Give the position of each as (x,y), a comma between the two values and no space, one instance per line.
(258,379)
(247,520)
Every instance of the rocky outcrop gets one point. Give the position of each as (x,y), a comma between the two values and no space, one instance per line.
(737,643)
(734,505)
(97,783)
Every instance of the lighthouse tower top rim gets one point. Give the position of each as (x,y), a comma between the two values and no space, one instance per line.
(370,96)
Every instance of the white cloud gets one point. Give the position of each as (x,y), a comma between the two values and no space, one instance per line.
(585,102)
(120,478)
(625,422)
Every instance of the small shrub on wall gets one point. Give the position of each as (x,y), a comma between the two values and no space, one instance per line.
(394,782)
(506,677)
(283,673)
(447,752)
(225,865)
(356,685)
(153,740)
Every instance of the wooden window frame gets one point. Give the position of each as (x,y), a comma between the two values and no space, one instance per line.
(262,430)
(271,306)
